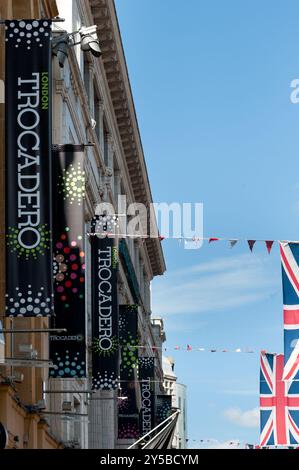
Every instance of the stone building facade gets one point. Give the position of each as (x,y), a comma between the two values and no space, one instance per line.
(92,105)
(178,393)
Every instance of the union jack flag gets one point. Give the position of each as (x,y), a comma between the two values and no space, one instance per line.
(290,285)
(279,404)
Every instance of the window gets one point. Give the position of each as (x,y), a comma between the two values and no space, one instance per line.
(117,179)
(87,77)
(77,426)
(96,111)
(106,149)
(136,257)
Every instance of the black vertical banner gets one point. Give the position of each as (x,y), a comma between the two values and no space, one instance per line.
(28,168)
(147,390)
(67,350)
(128,323)
(105,338)
(128,416)
(164,407)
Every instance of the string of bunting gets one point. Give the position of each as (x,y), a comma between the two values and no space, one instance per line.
(214,441)
(240,444)
(108,225)
(188,347)
(251,243)
(232,241)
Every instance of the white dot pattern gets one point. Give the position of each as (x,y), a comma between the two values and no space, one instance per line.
(107,381)
(146,362)
(17,32)
(28,305)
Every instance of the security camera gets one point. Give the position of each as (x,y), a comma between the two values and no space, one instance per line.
(60,49)
(89,40)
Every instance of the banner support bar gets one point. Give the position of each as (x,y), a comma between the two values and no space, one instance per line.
(54,20)
(40,330)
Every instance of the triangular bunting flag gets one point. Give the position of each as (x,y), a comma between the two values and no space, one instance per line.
(269,244)
(251,244)
(189,348)
(213,239)
(233,243)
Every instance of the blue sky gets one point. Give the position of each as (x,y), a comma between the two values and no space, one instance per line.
(211,84)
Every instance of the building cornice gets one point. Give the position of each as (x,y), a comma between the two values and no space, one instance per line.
(117,77)
(50,8)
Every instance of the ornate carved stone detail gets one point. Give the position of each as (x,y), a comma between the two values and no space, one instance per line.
(74,85)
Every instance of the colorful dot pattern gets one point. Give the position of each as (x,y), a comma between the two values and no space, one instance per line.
(128,430)
(163,412)
(129,355)
(72,184)
(128,338)
(124,405)
(68,365)
(128,406)
(96,346)
(29,253)
(69,268)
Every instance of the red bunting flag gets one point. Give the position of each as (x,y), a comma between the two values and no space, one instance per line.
(177,348)
(251,244)
(189,348)
(269,244)
(154,349)
(233,243)
(213,239)
(161,237)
